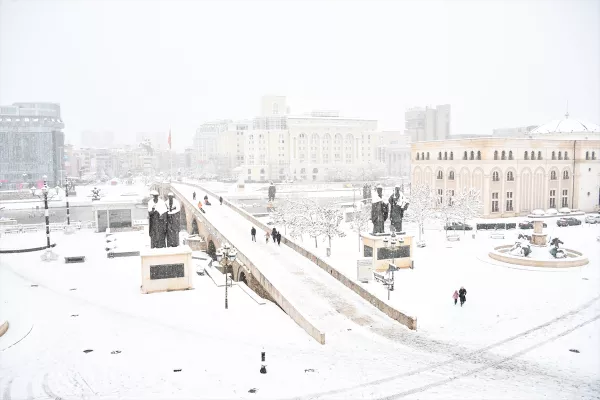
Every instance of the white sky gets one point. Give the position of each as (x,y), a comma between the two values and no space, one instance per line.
(135,66)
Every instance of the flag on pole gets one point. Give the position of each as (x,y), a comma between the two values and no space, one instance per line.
(169,139)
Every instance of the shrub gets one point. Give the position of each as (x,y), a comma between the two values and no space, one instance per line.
(212,250)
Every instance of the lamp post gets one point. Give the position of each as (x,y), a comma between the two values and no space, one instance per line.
(228,254)
(393,242)
(45,193)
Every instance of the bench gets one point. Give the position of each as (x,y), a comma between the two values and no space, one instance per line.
(12,230)
(74,259)
(453,238)
(113,254)
(497,235)
(30,228)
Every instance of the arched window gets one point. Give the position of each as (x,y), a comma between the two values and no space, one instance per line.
(552,175)
(566,155)
(440,155)
(495,154)
(510,176)
(554,155)
(503,155)
(472,155)
(452,155)
(445,155)
(417,156)
(565,174)
(428,155)
(539,155)
(495,176)
(510,156)
(587,155)
(478,155)
(526,156)
(440,175)
(560,155)
(465,156)
(451,176)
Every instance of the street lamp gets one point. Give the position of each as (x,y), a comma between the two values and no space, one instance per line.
(46,194)
(393,244)
(227,254)
(68,229)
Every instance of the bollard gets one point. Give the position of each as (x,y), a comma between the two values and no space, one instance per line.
(263,366)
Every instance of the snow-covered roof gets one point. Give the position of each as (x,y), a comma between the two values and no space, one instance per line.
(567,125)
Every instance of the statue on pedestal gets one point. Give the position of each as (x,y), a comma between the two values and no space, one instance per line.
(520,249)
(379,211)
(272,191)
(555,251)
(95,194)
(157,221)
(173,220)
(397,204)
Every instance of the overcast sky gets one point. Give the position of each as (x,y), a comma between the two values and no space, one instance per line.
(135,66)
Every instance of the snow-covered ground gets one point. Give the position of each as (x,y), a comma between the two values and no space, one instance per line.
(510,340)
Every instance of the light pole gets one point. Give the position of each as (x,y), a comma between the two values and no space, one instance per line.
(228,254)
(392,267)
(68,229)
(46,194)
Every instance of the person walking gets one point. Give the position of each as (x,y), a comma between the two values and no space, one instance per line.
(455,296)
(194,195)
(200,207)
(206,200)
(462,293)
(253,234)
(278,238)
(267,236)
(274,235)
(221,200)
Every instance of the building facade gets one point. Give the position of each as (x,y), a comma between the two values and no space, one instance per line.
(551,169)
(32,145)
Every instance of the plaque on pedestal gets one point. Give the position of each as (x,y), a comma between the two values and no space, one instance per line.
(166,269)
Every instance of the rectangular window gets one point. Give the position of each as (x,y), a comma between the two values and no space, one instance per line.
(552,199)
(495,207)
(509,201)
(564,202)
(440,193)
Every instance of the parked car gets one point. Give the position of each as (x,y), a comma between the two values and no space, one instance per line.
(592,219)
(528,225)
(458,226)
(568,221)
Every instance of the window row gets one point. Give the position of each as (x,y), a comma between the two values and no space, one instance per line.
(587,155)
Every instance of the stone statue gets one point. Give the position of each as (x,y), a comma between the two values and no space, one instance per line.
(379,211)
(519,249)
(555,251)
(366,191)
(157,221)
(95,194)
(397,204)
(272,191)
(173,220)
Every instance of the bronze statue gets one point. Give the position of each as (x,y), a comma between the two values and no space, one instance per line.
(397,204)
(379,211)
(157,221)
(173,220)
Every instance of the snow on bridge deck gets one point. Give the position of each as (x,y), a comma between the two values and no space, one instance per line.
(325,302)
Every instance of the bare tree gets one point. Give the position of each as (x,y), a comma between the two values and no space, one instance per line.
(446,209)
(329,218)
(468,205)
(422,206)
(362,217)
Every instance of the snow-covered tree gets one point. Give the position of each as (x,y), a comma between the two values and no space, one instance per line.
(446,208)
(421,206)
(301,216)
(281,215)
(468,205)
(329,219)
(362,217)
(370,171)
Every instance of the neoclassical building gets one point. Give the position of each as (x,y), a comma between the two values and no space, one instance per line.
(557,166)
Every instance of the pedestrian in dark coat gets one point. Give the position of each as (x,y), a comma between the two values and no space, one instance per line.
(194,196)
(253,234)
(221,200)
(206,200)
(274,234)
(278,238)
(462,293)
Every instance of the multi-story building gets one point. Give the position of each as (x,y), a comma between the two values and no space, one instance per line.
(396,155)
(554,168)
(425,124)
(32,144)
(205,141)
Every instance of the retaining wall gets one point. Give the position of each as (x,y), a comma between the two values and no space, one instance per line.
(408,321)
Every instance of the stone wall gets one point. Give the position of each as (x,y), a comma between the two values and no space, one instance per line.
(404,319)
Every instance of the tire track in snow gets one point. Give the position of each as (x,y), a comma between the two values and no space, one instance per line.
(464,357)
(490,365)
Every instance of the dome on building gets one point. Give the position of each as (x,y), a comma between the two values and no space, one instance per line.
(567,125)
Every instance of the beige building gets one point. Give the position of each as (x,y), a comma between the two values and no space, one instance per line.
(558,166)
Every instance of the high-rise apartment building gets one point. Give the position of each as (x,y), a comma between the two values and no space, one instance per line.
(426,124)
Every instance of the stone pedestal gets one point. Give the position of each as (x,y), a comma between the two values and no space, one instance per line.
(384,254)
(195,242)
(538,238)
(166,269)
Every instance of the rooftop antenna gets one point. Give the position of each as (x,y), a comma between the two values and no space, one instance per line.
(567,113)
